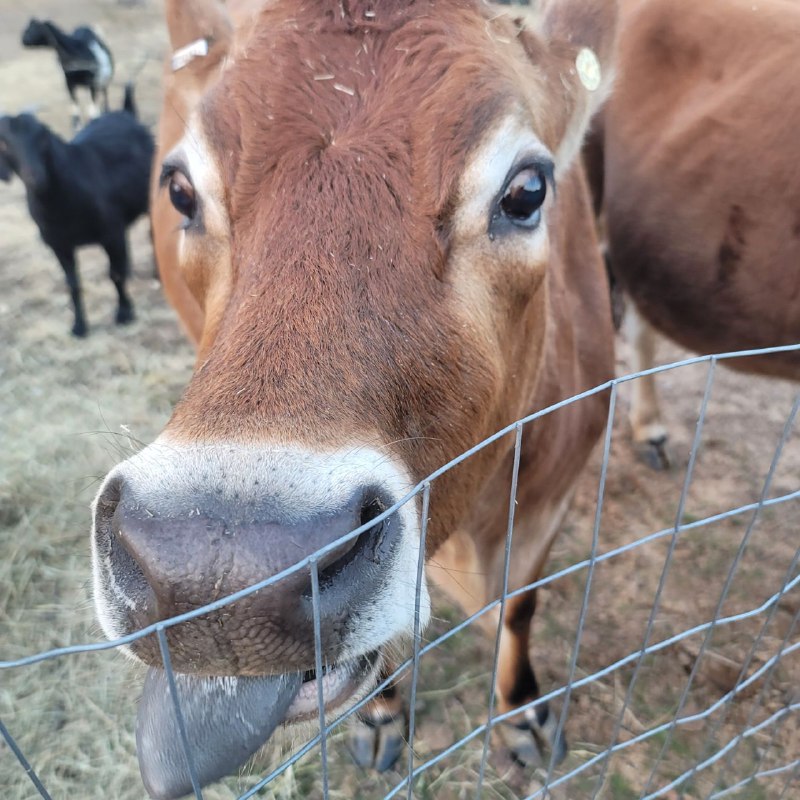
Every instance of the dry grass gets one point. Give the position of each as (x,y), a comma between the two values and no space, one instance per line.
(71,409)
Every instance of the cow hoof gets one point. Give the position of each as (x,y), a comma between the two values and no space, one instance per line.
(125,315)
(80,330)
(655,453)
(533,742)
(378,744)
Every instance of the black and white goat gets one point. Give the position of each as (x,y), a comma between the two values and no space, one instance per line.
(86,191)
(84,57)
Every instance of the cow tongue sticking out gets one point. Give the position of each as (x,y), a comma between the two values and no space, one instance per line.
(227,720)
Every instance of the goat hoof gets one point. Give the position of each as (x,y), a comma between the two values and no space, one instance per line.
(533,742)
(125,315)
(80,330)
(378,744)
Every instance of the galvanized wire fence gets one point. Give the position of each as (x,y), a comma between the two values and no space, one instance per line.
(584,777)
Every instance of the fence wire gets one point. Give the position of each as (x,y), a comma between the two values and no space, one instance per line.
(759,722)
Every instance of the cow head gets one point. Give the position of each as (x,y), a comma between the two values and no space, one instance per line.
(369,199)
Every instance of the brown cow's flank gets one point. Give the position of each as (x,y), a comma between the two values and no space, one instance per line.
(695,162)
(699,217)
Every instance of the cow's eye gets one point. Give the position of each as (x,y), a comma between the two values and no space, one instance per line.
(181,192)
(182,196)
(524,197)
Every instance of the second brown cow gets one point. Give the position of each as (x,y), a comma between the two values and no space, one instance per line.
(700,183)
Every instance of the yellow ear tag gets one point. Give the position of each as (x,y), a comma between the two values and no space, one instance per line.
(588,69)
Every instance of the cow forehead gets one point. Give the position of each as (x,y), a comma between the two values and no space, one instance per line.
(416,92)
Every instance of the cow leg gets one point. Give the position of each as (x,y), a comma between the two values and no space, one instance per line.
(118,271)
(459,570)
(531,734)
(380,732)
(67,260)
(649,431)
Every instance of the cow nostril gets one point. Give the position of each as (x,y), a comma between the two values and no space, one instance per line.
(123,577)
(373,537)
(129,575)
(366,545)
(369,511)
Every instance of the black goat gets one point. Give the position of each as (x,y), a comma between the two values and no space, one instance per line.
(84,57)
(87,191)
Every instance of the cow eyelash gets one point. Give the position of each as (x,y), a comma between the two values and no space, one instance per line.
(167,171)
(182,193)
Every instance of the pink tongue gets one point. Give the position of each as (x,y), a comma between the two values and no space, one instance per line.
(227,720)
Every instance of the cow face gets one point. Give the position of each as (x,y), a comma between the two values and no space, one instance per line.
(369,207)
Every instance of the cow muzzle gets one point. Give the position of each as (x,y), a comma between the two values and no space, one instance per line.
(179,527)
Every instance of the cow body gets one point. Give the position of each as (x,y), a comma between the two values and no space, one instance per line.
(701,186)
(378,277)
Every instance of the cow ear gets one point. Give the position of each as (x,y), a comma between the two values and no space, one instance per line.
(200,35)
(573,42)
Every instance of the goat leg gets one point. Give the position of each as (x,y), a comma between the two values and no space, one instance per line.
(94,112)
(74,109)
(67,261)
(118,271)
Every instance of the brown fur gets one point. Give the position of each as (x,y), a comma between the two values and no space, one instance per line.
(702,182)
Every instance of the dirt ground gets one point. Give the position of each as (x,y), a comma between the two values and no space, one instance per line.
(70,409)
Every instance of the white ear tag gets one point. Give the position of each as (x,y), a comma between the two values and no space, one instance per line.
(588,69)
(187,54)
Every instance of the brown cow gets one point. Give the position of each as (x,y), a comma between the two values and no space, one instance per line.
(702,183)
(372,252)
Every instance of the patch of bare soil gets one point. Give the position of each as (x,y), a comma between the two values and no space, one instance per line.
(69,410)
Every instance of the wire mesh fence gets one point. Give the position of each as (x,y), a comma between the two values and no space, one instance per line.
(741,739)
